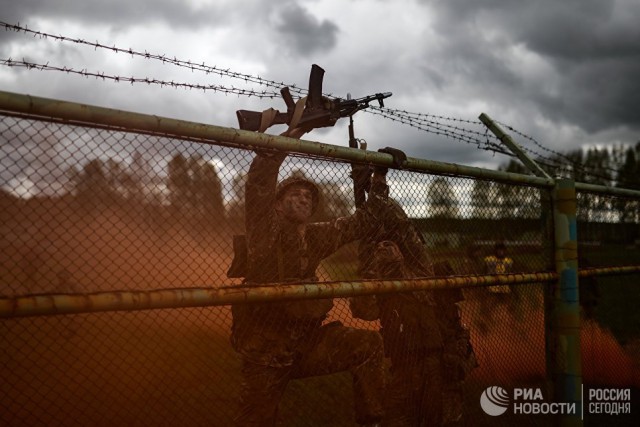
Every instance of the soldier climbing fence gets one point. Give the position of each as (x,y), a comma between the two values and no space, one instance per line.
(117,233)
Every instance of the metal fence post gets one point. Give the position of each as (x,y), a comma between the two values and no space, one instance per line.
(563,312)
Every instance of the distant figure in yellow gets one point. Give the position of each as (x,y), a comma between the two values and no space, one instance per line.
(496,295)
(499,263)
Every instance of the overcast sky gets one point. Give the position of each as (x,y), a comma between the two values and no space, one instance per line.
(565,72)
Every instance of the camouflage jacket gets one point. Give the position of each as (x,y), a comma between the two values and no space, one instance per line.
(409,321)
(272,333)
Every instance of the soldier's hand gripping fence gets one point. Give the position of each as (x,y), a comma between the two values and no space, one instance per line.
(319,111)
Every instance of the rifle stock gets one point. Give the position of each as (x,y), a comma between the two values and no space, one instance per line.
(250,120)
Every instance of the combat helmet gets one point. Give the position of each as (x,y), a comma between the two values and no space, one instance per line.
(290,181)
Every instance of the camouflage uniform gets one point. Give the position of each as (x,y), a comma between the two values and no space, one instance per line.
(458,356)
(409,324)
(422,331)
(412,340)
(279,341)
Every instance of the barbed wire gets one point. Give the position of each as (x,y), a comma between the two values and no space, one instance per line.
(425,116)
(430,125)
(444,129)
(561,159)
(151,81)
(193,66)
(426,122)
(422,118)
(549,150)
(422,122)
(552,163)
(414,119)
(454,132)
(482,141)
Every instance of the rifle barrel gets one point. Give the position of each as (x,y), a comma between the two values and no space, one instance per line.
(377,96)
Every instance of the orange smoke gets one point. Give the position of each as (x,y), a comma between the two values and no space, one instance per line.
(604,361)
(511,348)
(507,349)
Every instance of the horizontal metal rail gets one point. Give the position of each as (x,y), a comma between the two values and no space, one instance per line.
(602,189)
(48,304)
(609,271)
(86,115)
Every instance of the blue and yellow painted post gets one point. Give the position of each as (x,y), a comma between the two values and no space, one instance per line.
(564,311)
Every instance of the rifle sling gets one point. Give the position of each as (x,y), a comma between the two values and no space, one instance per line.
(297,114)
(267,118)
(269,115)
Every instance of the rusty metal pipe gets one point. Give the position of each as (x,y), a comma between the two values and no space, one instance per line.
(49,304)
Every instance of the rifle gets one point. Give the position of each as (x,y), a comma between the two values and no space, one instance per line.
(319,111)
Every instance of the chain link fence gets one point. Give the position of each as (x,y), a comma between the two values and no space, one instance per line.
(90,209)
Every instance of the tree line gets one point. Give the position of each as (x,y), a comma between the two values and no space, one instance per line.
(617,166)
(191,187)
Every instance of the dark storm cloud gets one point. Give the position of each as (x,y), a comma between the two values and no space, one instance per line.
(580,30)
(117,14)
(595,45)
(592,45)
(123,12)
(303,33)
(598,95)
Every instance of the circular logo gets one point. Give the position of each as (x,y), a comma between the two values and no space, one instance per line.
(494,401)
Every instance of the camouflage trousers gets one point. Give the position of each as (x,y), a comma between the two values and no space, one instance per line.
(332,348)
(452,403)
(414,394)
